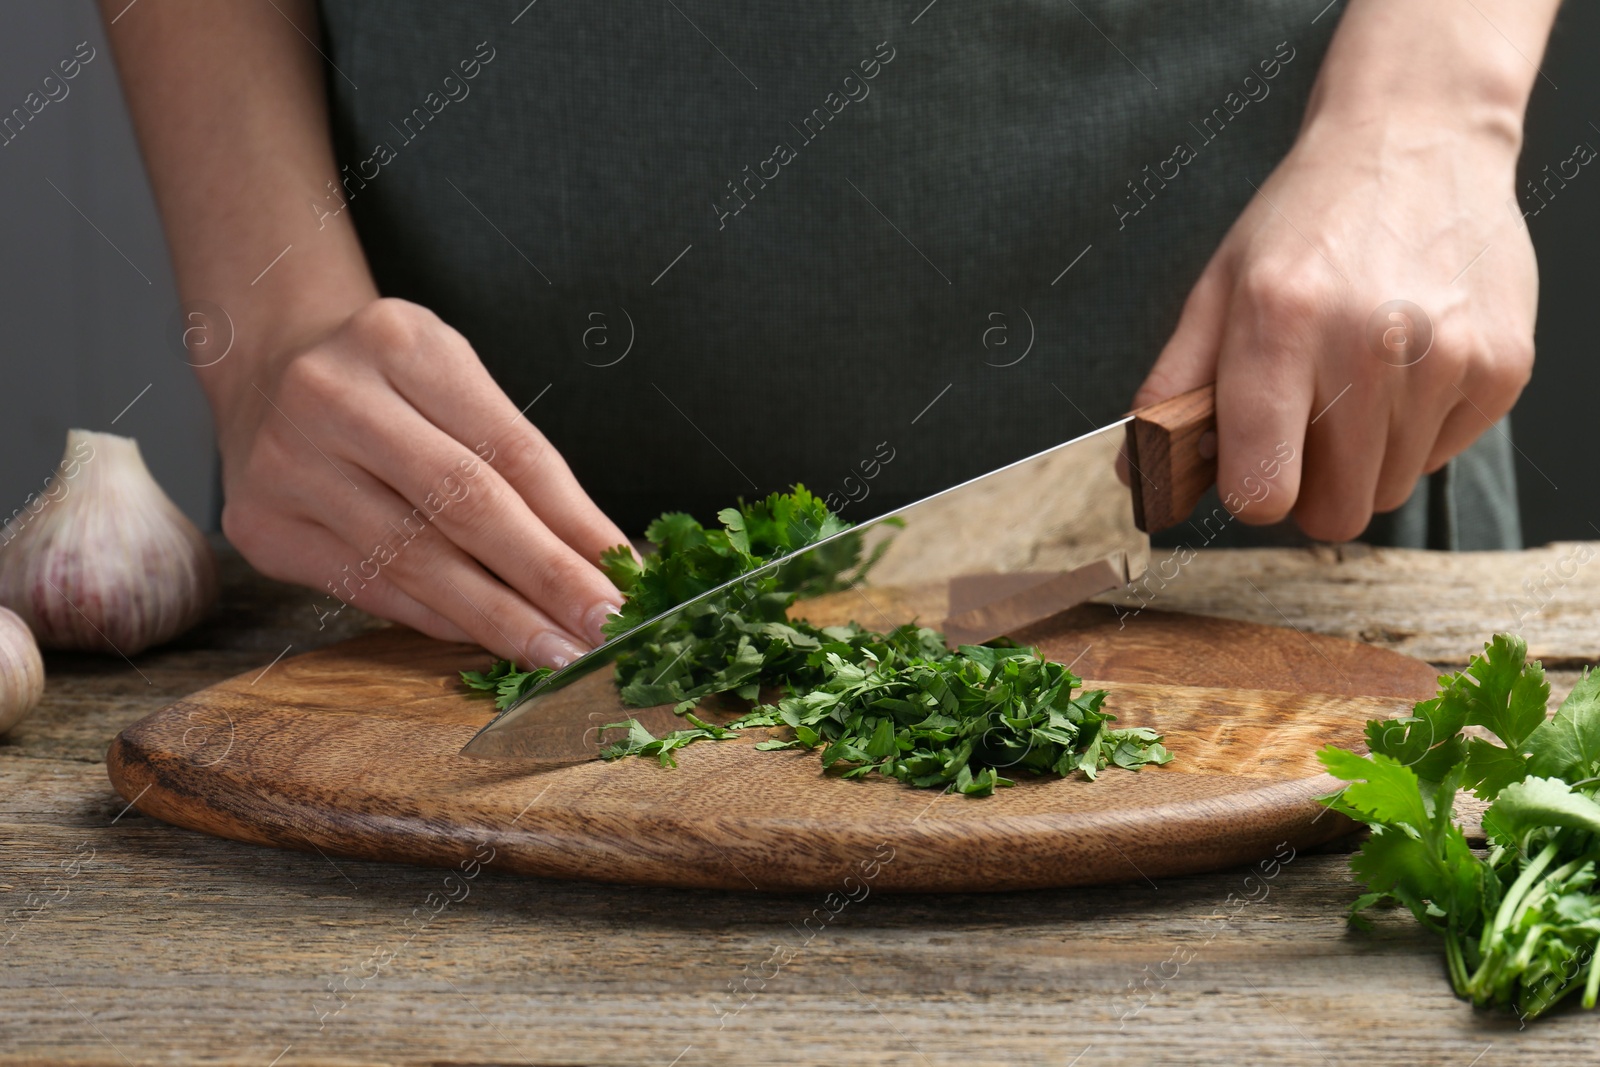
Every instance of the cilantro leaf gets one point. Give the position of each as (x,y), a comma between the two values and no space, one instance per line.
(505,681)
(1382,790)
(1536,805)
(619,564)
(1503,691)
(641,742)
(1394,864)
(1428,740)
(1499,690)
(1489,767)
(1568,746)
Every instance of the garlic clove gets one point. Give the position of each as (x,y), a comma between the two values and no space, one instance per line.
(21,671)
(106,561)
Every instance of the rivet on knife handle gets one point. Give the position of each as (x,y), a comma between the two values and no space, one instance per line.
(1172,450)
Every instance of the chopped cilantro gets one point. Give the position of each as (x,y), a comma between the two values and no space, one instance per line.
(898,704)
(504,680)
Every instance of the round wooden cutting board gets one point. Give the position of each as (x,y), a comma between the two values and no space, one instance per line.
(353,750)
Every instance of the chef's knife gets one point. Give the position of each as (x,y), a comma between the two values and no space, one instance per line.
(1003,546)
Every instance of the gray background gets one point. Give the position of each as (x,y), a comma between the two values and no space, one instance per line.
(1559,479)
(84,327)
(87,300)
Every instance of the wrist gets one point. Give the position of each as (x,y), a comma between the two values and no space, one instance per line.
(268,327)
(1411,131)
(1433,65)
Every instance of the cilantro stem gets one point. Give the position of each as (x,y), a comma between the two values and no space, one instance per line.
(1453,957)
(1512,901)
(1530,942)
(1592,987)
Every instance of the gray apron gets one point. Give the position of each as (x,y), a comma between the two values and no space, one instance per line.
(724,247)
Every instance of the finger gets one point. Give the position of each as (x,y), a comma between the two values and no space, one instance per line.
(300,551)
(1189,358)
(1414,426)
(1344,455)
(1462,426)
(527,460)
(1347,435)
(1265,388)
(1469,420)
(477,510)
(427,566)
(443,378)
(387,601)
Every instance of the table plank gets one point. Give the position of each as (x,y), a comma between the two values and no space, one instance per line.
(166,945)
(178,946)
(1437,606)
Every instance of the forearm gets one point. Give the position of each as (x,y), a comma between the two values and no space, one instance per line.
(228,102)
(1465,64)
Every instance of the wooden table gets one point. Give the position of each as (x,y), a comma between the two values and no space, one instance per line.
(144,943)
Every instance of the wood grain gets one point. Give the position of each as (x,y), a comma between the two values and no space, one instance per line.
(354,750)
(1437,606)
(1172,449)
(175,947)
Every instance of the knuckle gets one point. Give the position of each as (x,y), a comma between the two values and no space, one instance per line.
(1456,346)
(524,458)
(1284,294)
(475,506)
(248,529)
(552,576)
(543,573)
(389,323)
(309,380)
(393,543)
(1510,365)
(1492,368)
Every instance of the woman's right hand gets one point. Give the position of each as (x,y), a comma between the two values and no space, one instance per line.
(382,464)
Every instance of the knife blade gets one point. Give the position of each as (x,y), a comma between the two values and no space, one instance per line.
(1001,546)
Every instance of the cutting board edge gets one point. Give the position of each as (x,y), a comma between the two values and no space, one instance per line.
(1022,846)
(326,698)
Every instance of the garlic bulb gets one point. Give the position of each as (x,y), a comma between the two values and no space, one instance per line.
(21,671)
(105,561)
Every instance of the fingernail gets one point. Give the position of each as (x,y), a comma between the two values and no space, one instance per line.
(595,620)
(552,650)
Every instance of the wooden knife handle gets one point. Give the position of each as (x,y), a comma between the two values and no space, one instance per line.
(1172,456)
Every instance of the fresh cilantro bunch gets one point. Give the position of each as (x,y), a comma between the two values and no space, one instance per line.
(1522,923)
(898,704)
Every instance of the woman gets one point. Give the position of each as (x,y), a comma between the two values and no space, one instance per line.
(714,249)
